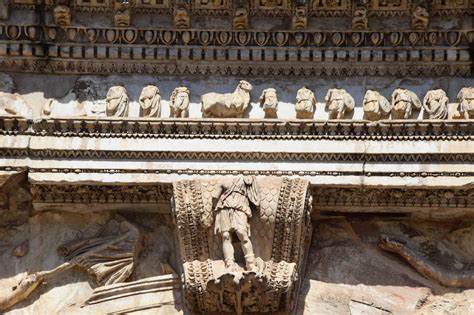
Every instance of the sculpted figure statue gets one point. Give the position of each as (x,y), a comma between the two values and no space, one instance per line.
(338,101)
(62,15)
(232,212)
(241,19)
(403,102)
(117,102)
(150,102)
(466,102)
(269,102)
(375,106)
(435,104)
(14,105)
(229,105)
(305,103)
(179,102)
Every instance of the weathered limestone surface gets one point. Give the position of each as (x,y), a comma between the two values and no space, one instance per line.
(236,157)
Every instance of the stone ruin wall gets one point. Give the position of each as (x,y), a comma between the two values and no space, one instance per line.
(389,203)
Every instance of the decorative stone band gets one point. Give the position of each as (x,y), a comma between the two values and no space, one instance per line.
(268,129)
(156,198)
(285,207)
(35,48)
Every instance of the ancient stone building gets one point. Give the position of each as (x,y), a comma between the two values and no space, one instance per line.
(236,157)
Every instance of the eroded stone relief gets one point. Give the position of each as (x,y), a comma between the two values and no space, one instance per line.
(110,257)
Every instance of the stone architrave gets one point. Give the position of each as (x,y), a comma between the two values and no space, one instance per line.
(435,104)
(375,106)
(403,103)
(279,230)
(466,102)
(179,102)
(150,102)
(305,103)
(228,105)
(117,102)
(269,102)
(338,103)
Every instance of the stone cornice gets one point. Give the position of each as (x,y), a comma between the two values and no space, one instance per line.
(82,50)
(386,130)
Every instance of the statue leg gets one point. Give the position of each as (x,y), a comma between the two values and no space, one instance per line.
(247,248)
(228,249)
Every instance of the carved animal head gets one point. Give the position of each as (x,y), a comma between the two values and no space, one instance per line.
(244,85)
(62,15)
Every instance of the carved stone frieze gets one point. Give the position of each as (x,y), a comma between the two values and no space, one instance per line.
(329,199)
(280,231)
(233,51)
(409,130)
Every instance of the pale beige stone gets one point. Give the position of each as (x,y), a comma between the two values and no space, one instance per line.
(403,103)
(150,102)
(376,106)
(227,105)
(305,104)
(466,102)
(338,103)
(179,103)
(435,104)
(117,102)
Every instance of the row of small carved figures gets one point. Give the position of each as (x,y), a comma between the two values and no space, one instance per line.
(233,105)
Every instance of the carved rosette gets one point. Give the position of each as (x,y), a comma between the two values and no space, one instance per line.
(280,234)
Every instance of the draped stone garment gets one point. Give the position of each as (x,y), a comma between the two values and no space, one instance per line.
(150,102)
(117,102)
(233,208)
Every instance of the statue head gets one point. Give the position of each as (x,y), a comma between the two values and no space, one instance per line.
(244,85)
